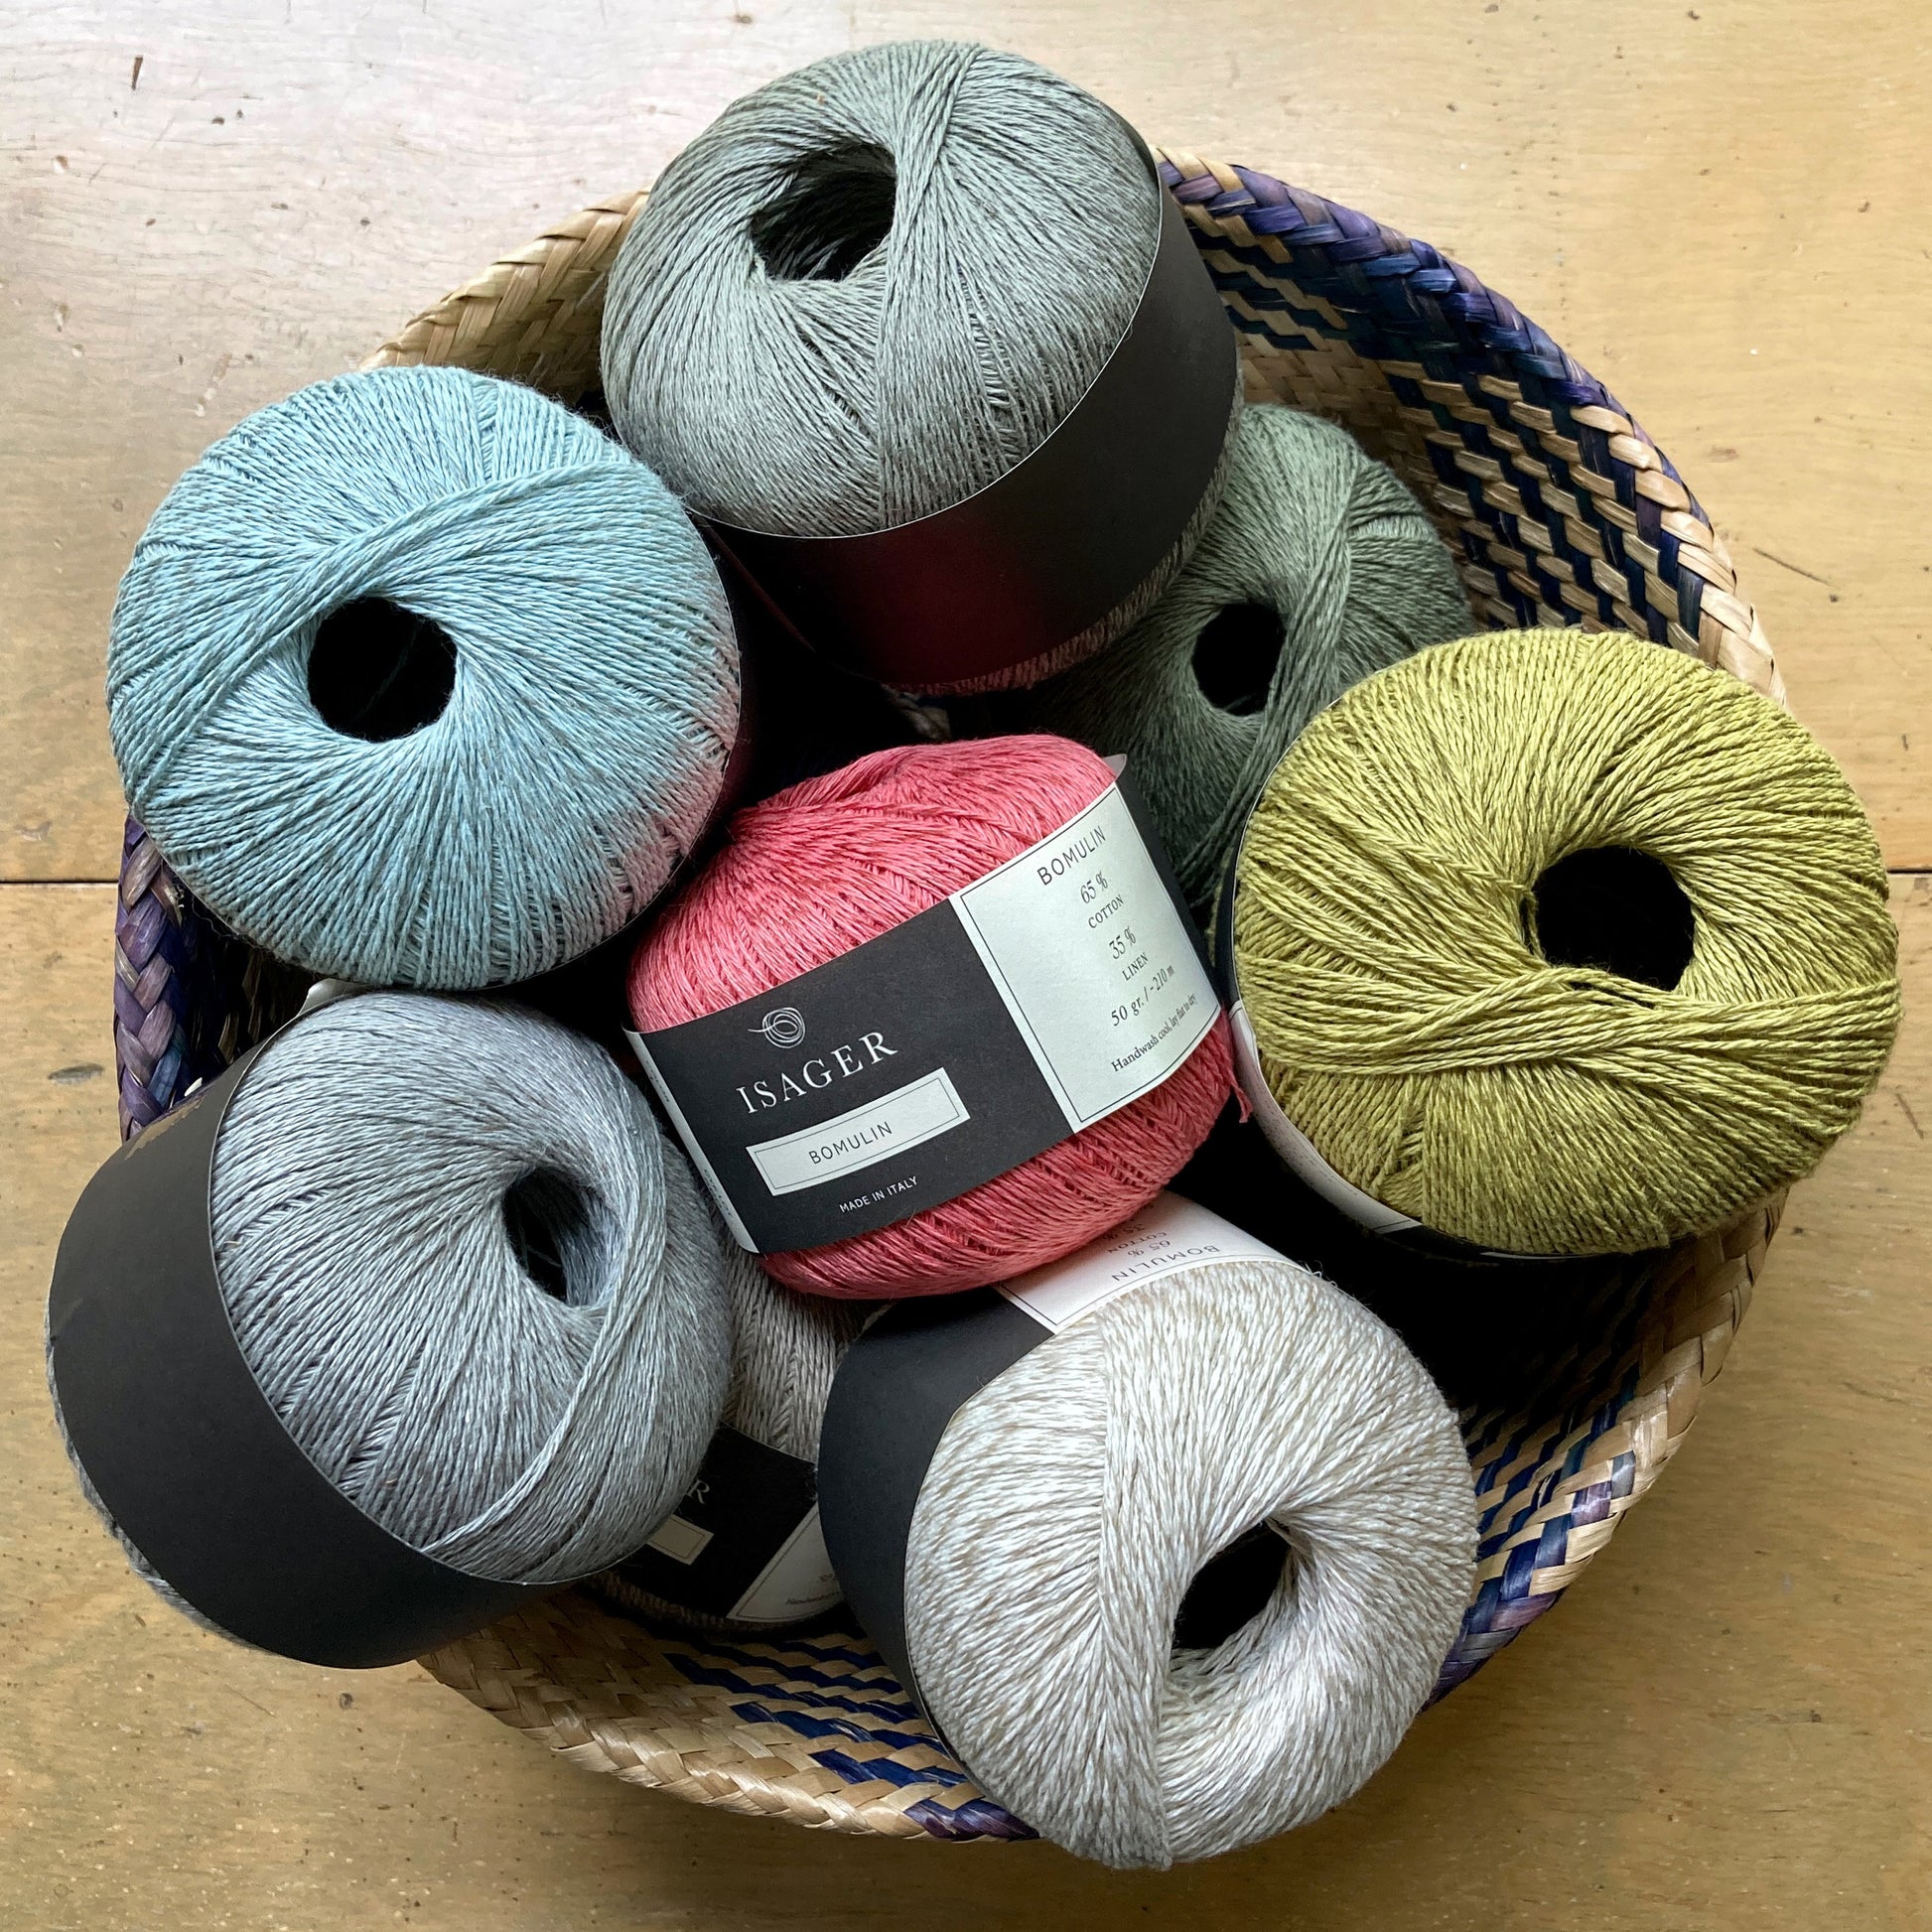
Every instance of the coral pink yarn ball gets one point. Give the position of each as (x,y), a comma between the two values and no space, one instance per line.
(822,868)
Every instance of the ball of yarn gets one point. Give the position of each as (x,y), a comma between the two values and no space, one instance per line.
(1319,568)
(784,1350)
(1072,1502)
(417,678)
(840,310)
(474,1284)
(1565,943)
(820,869)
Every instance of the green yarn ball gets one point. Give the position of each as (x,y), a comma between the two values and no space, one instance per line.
(1316,545)
(1565,943)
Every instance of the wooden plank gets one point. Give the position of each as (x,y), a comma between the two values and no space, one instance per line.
(279,188)
(1724,1727)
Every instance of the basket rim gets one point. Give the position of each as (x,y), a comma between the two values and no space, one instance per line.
(564,269)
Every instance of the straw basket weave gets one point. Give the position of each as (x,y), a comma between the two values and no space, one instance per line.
(1560,511)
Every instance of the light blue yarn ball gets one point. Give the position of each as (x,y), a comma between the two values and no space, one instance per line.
(583,744)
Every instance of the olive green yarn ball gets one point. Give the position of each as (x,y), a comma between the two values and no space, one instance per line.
(1315,545)
(1421,1019)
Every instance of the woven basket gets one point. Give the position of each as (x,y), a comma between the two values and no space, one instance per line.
(1560,511)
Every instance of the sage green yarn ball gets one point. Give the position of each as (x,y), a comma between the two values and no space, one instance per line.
(1314,541)
(847,305)
(1425,1011)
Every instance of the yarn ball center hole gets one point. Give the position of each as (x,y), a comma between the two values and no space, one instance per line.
(836,208)
(1616,909)
(377,671)
(554,1233)
(1235,657)
(1232,1588)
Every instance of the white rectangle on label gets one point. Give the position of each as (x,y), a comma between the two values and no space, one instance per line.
(921,1110)
(1167,1234)
(796,1584)
(1093,961)
(679,1538)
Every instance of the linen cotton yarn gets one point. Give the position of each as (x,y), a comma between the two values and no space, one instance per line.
(784,1350)
(1564,942)
(838,312)
(823,867)
(1319,568)
(477,1285)
(350,560)
(1071,1502)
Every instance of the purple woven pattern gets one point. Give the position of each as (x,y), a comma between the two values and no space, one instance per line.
(189,996)
(1542,1469)
(1576,1450)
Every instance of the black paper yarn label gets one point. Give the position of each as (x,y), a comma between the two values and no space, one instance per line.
(1042,998)
(1044,552)
(743,1542)
(186,1453)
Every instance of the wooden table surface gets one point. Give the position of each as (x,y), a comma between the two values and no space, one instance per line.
(1721,209)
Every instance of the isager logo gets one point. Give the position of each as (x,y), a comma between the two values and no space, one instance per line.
(782,1027)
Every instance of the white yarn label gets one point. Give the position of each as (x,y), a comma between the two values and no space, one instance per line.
(1169,1235)
(1083,942)
(796,1584)
(950,1048)
(743,1542)
(681,1541)
(862,1137)
(1299,1154)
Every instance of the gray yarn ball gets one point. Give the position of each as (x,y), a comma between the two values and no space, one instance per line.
(475,1284)
(785,1348)
(840,309)
(1072,1503)
(1313,532)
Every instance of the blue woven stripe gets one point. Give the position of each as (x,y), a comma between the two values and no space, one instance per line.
(1401,300)
(805,1724)
(829,1690)
(878,1771)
